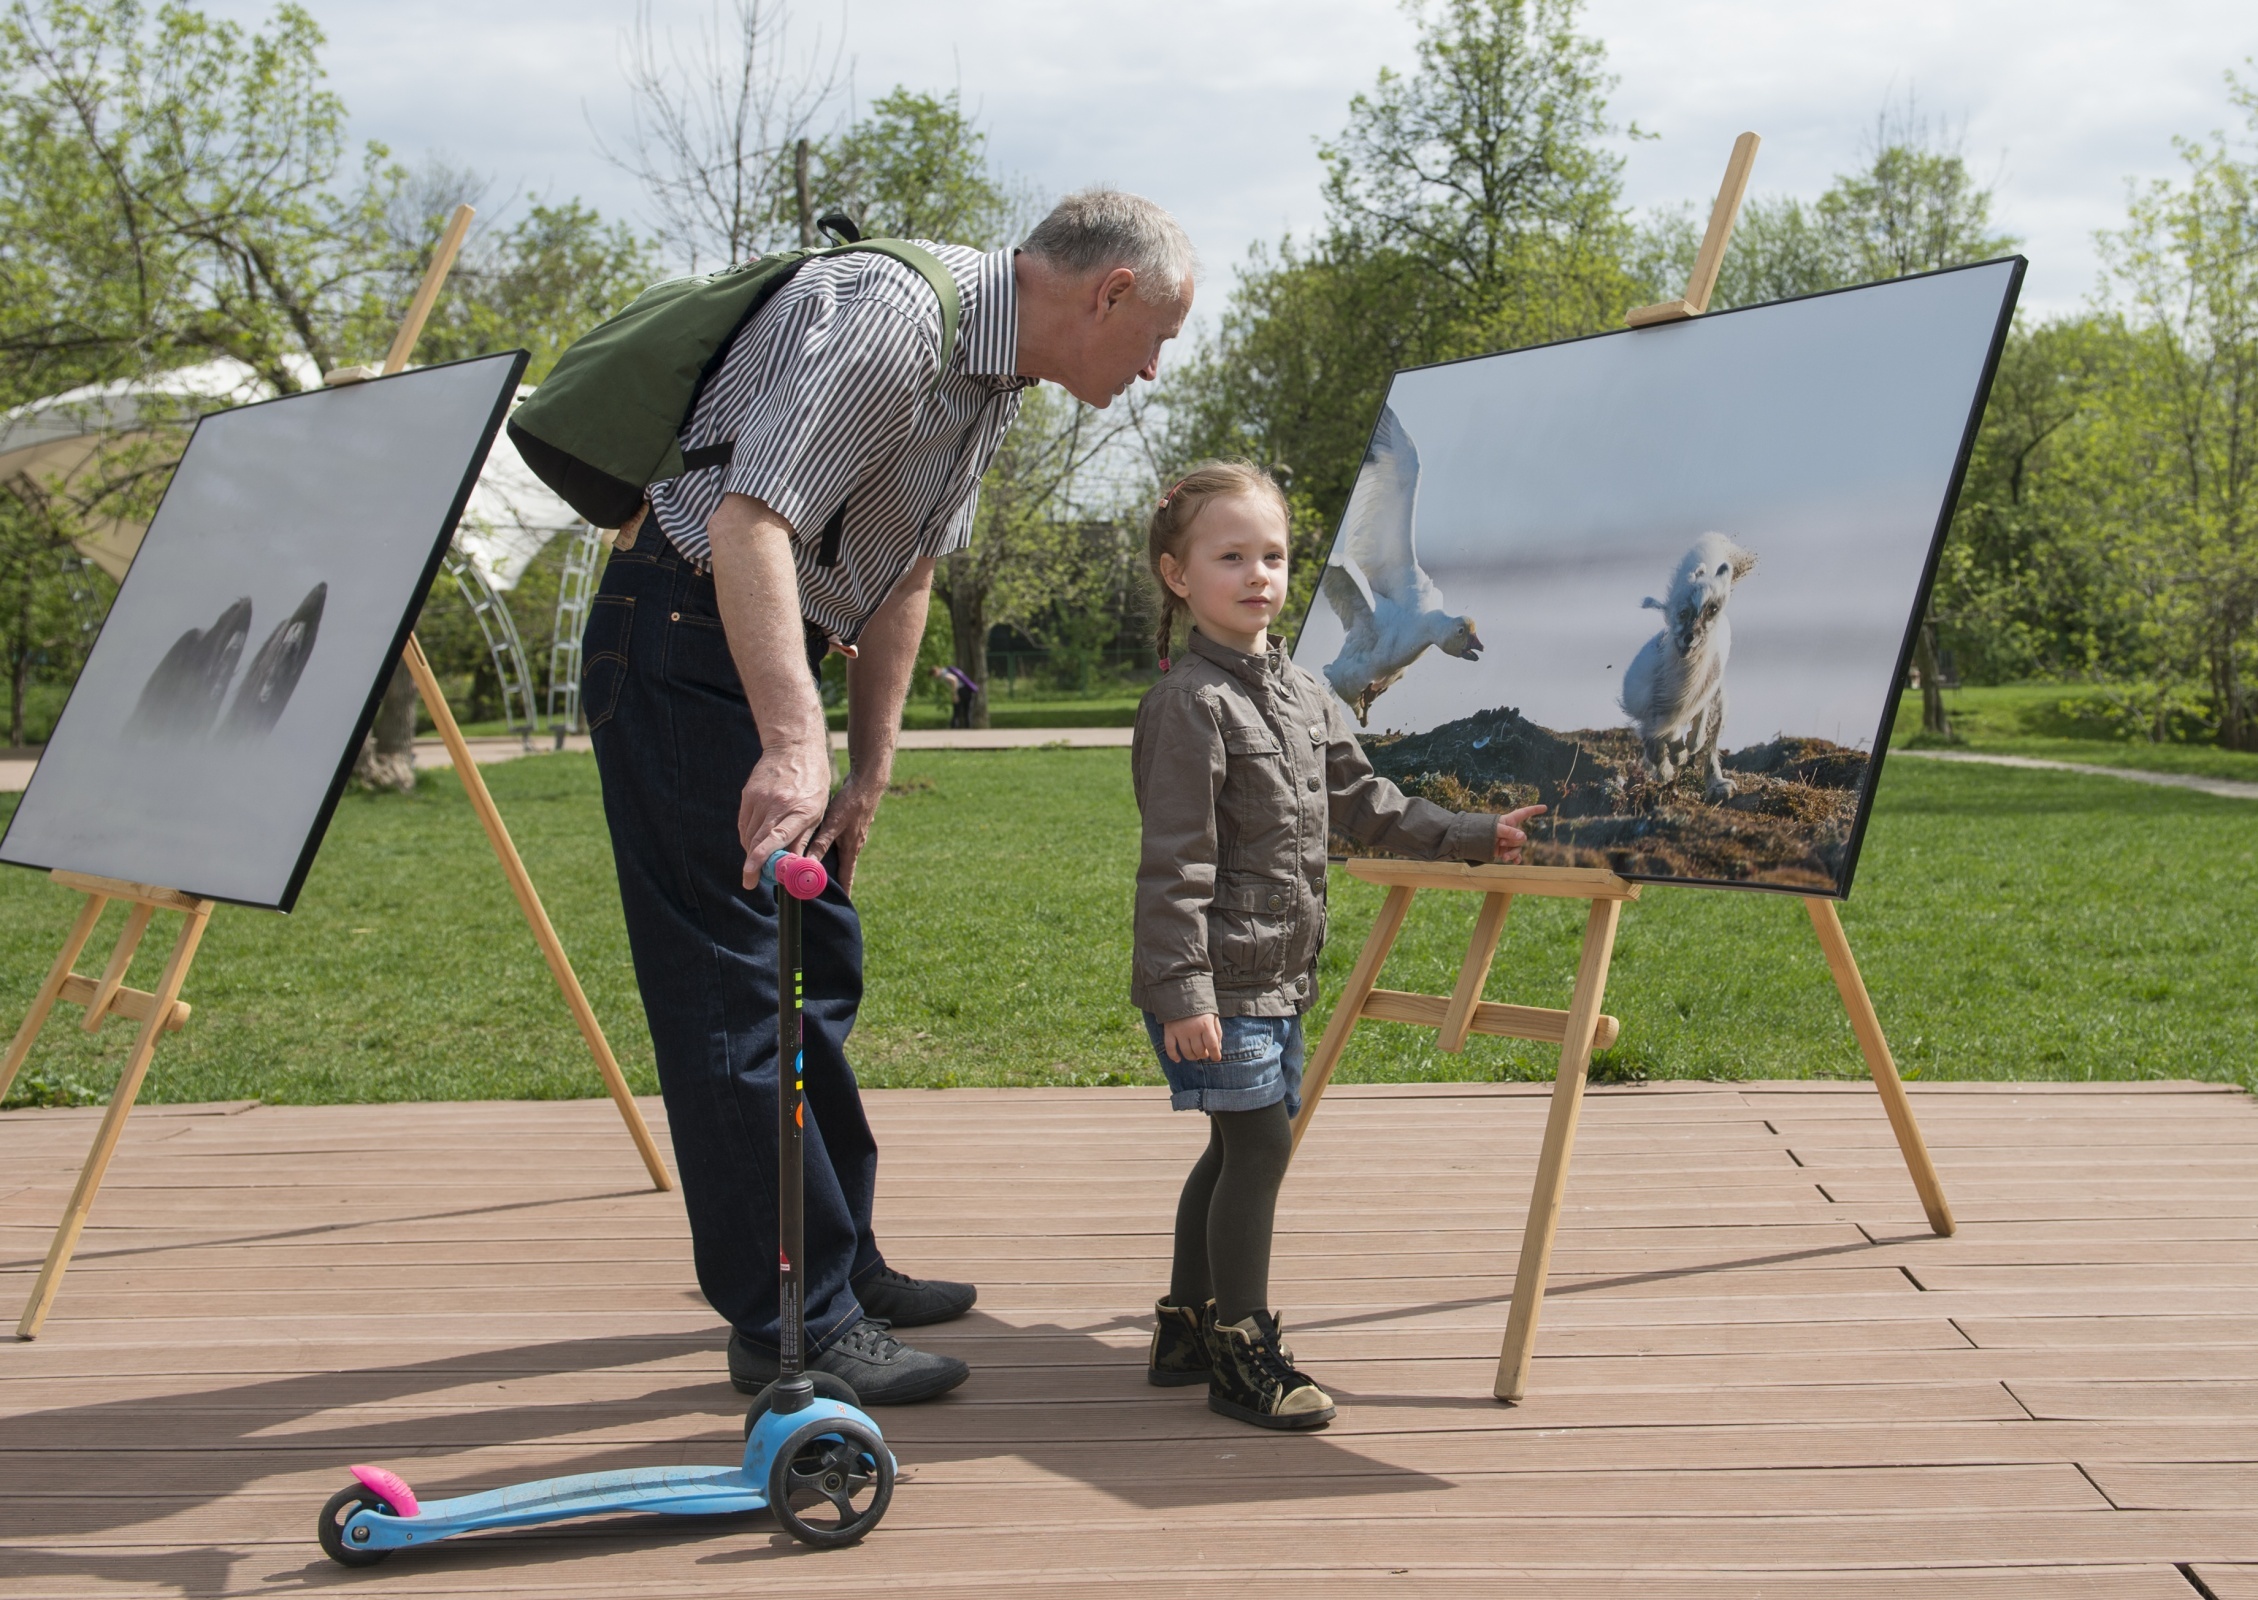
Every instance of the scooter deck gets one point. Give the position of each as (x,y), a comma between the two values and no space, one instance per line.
(673,1491)
(667,1491)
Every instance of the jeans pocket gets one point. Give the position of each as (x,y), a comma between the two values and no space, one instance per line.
(603,656)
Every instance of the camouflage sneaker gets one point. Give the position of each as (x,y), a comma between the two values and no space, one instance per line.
(1254,1378)
(1180,1345)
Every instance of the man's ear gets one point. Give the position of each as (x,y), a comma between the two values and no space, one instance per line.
(1115,287)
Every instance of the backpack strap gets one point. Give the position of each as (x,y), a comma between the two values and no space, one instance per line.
(927,266)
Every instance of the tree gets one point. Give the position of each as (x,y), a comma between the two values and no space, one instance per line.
(2184,424)
(2021,591)
(1470,206)
(538,280)
(1779,250)
(716,126)
(172,188)
(1485,170)
(51,598)
(916,167)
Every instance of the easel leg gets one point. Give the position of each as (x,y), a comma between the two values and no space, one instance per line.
(1560,1142)
(1868,1027)
(1350,1006)
(44,1002)
(529,901)
(113,1124)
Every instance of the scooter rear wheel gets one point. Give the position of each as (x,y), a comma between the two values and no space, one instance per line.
(330,1530)
(827,1387)
(831,1482)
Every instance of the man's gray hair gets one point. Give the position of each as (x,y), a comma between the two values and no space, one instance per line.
(1097,230)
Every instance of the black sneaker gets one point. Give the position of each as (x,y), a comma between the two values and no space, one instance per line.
(882,1370)
(1254,1378)
(909,1302)
(1180,1345)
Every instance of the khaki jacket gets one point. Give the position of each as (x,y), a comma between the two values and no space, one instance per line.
(1241,763)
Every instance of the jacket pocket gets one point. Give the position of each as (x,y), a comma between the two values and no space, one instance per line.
(1246,925)
(603,656)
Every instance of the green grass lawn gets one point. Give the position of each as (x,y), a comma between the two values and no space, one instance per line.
(2011,924)
(2027,719)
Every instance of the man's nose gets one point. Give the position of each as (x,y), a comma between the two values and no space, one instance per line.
(1151,369)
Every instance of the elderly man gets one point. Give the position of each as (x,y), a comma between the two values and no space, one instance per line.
(856,463)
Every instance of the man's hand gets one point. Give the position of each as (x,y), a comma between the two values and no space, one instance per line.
(846,824)
(783,803)
(1197,1038)
(1510,838)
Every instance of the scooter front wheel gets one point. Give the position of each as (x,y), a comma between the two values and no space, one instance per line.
(330,1530)
(831,1482)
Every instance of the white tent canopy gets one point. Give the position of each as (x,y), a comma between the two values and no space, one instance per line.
(55,442)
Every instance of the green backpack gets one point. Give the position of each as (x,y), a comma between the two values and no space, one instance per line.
(607,421)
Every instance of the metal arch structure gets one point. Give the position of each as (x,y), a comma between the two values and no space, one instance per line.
(576,588)
(499,629)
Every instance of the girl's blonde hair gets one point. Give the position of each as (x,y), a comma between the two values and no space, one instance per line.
(1171,525)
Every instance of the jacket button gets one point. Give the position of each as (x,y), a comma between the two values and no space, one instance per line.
(1314,786)
(1276,901)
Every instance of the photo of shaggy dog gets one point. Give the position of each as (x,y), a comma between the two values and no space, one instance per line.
(1674,692)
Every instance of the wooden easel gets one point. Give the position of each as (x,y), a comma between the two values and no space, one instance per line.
(164,1011)
(1583,1027)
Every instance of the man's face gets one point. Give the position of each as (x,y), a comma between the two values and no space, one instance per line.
(1122,333)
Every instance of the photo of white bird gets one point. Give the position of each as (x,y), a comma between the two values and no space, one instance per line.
(1407,613)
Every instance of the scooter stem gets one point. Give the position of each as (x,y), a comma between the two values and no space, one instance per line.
(793,878)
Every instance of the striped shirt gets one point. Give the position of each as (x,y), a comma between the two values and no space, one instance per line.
(842,430)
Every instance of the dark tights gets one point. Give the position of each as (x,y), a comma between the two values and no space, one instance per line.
(1224,1217)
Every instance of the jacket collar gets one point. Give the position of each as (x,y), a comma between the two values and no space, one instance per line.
(1254,670)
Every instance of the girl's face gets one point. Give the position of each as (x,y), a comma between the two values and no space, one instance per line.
(1233,574)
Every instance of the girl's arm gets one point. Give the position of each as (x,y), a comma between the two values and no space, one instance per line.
(1378,815)
(1176,760)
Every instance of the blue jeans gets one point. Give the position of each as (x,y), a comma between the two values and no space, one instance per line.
(674,742)
(1261,1066)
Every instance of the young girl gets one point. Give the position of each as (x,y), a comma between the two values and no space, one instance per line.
(1242,763)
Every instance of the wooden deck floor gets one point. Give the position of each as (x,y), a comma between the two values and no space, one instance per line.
(1758,1374)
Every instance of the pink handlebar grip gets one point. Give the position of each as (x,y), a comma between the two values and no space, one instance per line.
(802,877)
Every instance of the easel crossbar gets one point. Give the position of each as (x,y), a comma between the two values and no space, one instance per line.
(1539,1023)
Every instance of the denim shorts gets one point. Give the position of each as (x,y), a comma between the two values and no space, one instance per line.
(1261,1066)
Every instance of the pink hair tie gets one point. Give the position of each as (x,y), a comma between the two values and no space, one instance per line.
(1164,663)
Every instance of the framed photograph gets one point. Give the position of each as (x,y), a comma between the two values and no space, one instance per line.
(205,744)
(1664,581)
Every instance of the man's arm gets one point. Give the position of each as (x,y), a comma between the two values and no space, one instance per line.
(877,684)
(758,594)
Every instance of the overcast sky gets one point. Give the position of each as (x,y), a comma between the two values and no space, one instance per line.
(1212,106)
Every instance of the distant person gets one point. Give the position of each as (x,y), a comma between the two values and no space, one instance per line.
(1242,763)
(960,715)
(856,461)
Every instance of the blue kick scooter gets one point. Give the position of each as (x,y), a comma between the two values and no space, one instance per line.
(811,1455)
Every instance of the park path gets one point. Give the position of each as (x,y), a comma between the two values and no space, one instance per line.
(15,772)
(2227,787)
